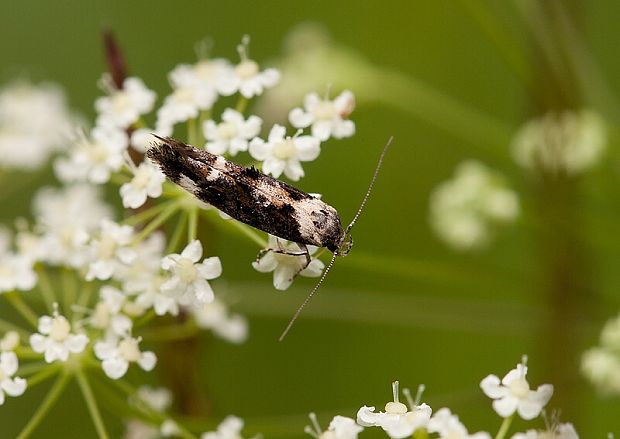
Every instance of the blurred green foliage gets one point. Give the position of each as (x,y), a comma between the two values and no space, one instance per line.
(401,305)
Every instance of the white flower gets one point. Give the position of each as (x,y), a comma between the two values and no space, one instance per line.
(159,399)
(397,421)
(110,250)
(286,267)
(8,385)
(147,181)
(123,107)
(94,159)
(205,74)
(107,313)
(340,427)
(137,275)
(55,339)
(283,154)
(191,95)
(136,429)
(16,273)
(610,336)
(602,367)
(35,121)
(328,118)
(514,394)
(569,142)
(464,209)
(189,278)
(559,431)
(215,316)
(246,77)
(66,217)
(232,134)
(10,341)
(116,354)
(448,426)
(229,428)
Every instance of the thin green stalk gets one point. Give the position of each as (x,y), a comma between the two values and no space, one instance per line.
(45,287)
(242,104)
(147,214)
(193,135)
(192,224)
(150,314)
(23,308)
(174,241)
(69,289)
(232,225)
(171,332)
(45,406)
(91,403)
(33,368)
(82,301)
(156,222)
(49,371)
(503,429)
(420,433)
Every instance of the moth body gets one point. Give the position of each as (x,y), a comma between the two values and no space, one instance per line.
(252,197)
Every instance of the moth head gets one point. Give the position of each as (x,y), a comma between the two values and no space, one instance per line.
(345,244)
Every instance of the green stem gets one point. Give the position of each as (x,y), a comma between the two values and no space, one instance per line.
(503,429)
(49,371)
(45,287)
(245,230)
(420,433)
(147,214)
(242,104)
(192,224)
(45,406)
(82,302)
(156,222)
(87,393)
(69,289)
(171,332)
(150,314)
(23,308)
(174,241)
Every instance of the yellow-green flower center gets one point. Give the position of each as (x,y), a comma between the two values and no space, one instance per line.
(519,388)
(246,69)
(285,149)
(186,270)
(129,349)
(60,328)
(227,130)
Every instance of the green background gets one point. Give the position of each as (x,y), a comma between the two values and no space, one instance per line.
(401,305)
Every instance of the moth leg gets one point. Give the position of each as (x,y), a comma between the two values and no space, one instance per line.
(304,252)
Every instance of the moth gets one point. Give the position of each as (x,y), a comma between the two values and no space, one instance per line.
(261,201)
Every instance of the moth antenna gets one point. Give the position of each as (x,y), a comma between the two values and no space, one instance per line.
(347,230)
(301,307)
(370,187)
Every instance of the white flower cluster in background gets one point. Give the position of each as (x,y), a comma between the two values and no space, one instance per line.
(35,121)
(465,209)
(568,142)
(601,364)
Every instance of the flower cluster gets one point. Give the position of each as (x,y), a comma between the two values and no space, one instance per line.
(464,209)
(601,364)
(399,420)
(101,278)
(569,142)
